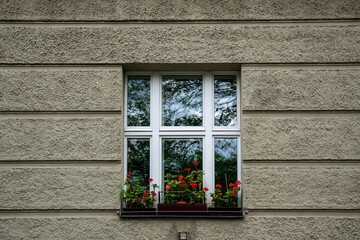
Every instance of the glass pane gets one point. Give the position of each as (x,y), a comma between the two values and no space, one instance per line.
(138,159)
(138,100)
(180,153)
(182,100)
(225,100)
(225,161)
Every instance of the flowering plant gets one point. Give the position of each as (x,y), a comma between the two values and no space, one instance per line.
(188,188)
(229,199)
(137,196)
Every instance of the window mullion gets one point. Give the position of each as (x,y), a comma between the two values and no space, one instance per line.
(208,162)
(155,162)
(239,168)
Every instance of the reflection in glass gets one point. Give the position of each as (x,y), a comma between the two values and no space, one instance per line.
(225,161)
(182,100)
(179,154)
(225,100)
(138,159)
(138,100)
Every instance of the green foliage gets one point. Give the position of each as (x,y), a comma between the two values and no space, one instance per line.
(229,199)
(137,195)
(187,188)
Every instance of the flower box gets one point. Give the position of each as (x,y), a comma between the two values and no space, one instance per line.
(224,211)
(182,208)
(138,211)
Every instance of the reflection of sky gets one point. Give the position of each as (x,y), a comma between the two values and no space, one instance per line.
(138,158)
(182,99)
(178,154)
(225,161)
(226,147)
(225,101)
(138,101)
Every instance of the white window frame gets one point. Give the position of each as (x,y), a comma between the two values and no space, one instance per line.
(208,132)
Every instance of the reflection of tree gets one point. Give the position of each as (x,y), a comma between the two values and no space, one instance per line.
(139,159)
(182,100)
(179,154)
(138,113)
(225,100)
(225,161)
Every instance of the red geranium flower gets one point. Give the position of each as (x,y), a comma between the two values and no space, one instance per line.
(145,195)
(233,194)
(220,194)
(193,184)
(175,180)
(195,163)
(128,175)
(237,182)
(218,185)
(206,189)
(231,185)
(187,169)
(153,193)
(235,188)
(212,200)
(181,177)
(168,187)
(150,180)
(183,185)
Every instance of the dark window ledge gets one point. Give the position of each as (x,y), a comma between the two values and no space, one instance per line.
(190,214)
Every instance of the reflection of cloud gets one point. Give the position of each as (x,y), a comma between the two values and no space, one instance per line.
(138,101)
(182,100)
(226,148)
(225,102)
(178,153)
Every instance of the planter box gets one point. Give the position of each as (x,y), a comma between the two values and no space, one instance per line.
(182,209)
(223,211)
(138,211)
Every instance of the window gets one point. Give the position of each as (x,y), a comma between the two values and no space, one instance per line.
(175,118)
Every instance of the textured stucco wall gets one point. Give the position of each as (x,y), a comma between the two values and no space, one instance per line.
(180,43)
(61,103)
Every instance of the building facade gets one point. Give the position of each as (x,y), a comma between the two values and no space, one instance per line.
(62,81)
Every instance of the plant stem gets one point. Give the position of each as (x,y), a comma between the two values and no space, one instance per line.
(227,187)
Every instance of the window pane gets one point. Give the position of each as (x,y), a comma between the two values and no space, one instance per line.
(138,159)
(138,100)
(225,161)
(182,100)
(225,100)
(180,153)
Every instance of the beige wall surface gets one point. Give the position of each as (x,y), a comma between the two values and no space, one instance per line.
(61,112)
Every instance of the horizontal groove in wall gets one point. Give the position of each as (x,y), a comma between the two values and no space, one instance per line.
(129,65)
(58,213)
(299,113)
(61,67)
(188,22)
(65,114)
(257,66)
(113,213)
(117,163)
(301,163)
(59,164)
(303,213)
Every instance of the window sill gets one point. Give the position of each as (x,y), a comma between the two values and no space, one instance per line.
(209,213)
